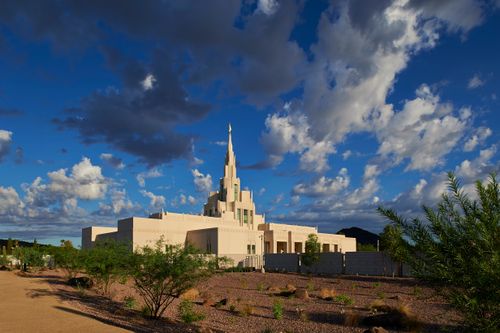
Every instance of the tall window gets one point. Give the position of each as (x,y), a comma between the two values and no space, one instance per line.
(249,249)
(235,192)
(251,217)
(239,214)
(253,249)
(245,215)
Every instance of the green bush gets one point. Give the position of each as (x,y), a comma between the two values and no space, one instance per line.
(187,313)
(458,249)
(312,250)
(344,299)
(129,302)
(106,262)
(30,257)
(69,259)
(278,309)
(162,273)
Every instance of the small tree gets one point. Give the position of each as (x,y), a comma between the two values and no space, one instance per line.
(163,272)
(106,262)
(29,257)
(459,249)
(312,250)
(392,242)
(69,259)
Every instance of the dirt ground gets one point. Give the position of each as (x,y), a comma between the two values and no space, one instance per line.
(250,298)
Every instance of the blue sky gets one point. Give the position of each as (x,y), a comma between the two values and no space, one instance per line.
(337,107)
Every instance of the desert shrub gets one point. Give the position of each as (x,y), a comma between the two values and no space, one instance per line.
(232,308)
(379,305)
(343,299)
(278,309)
(302,314)
(30,257)
(312,250)
(458,248)
(310,286)
(129,302)
(261,286)
(69,259)
(164,272)
(106,262)
(351,318)
(3,259)
(188,314)
(380,294)
(247,310)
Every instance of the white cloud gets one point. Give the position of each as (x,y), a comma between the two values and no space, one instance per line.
(203,183)
(475,82)
(148,82)
(152,173)
(478,138)
(262,191)
(191,200)
(10,203)
(156,201)
(120,204)
(5,142)
(289,133)
(423,132)
(278,199)
(346,154)
(324,186)
(113,161)
(268,7)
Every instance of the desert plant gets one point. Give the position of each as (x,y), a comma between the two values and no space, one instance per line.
(310,286)
(312,250)
(188,314)
(69,259)
(247,310)
(327,294)
(380,294)
(106,262)
(163,272)
(30,257)
(261,286)
(458,247)
(3,259)
(343,299)
(129,302)
(278,309)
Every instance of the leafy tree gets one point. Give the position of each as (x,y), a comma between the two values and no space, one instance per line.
(458,247)
(69,259)
(392,242)
(163,272)
(3,259)
(312,250)
(106,262)
(10,245)
(30,257)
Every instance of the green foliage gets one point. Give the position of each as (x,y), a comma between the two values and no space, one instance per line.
(391,241)
(458,247)
(278,309)
(188,314)
(162,273)
(129,302)
(106,262)
(261,286)
(30,257)
(3,259)
(310,286)
(69,259)
(344,299)
(312,250)
(10,245)
(366,247)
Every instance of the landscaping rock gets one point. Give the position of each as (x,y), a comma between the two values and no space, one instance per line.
(190,294)
(301,294)
(290,287)
(81,282)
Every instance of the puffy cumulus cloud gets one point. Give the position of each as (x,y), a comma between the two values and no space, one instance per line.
(85,182)
(5,143)
(476,169)
(151,173)
(10,203)
(475,82)
(156,201)
(191,200)
(268,7)
(119,205)
(478,138)
(424,131)
(113,161)
(324,186)
(289,133)
(202,183)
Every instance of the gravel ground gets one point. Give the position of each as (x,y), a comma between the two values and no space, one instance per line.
(251,297)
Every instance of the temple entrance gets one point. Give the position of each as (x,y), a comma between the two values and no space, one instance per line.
(281,247)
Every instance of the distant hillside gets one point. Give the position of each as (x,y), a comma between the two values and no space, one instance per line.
(3,242)
(362,236)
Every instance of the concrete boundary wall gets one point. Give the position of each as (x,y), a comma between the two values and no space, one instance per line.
(350,263)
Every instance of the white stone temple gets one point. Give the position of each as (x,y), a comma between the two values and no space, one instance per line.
(228,227)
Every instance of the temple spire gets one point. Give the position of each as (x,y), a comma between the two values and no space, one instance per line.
(230,165)
(229,141)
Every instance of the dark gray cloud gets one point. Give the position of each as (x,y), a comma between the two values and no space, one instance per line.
(230,42)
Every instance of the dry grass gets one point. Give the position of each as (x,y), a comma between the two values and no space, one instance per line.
(327,294)
(379,305)
(351,318)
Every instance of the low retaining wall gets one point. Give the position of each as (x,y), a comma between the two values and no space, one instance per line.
(351,263)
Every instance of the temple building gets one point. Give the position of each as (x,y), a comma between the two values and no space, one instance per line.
(229,226)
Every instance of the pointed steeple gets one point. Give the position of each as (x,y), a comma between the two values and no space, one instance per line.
(230,165)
